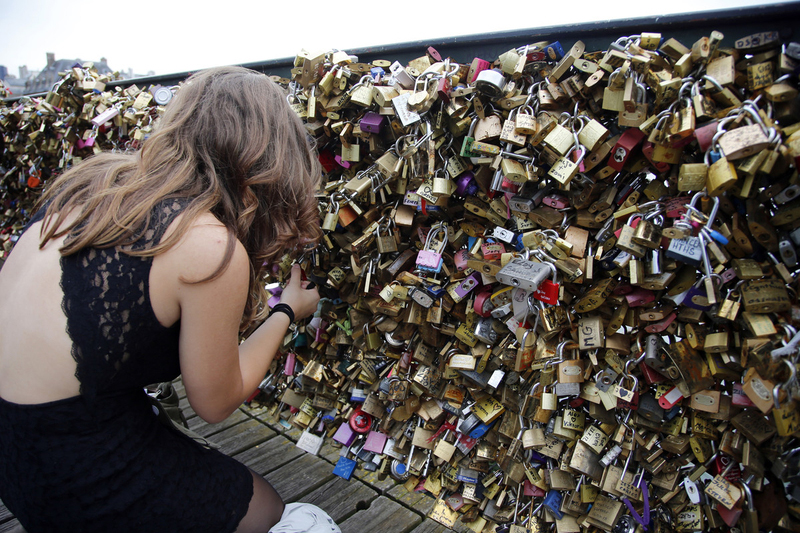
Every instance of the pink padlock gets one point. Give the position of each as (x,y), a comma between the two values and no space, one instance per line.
(478,66)
(375,442)
(556,201)
(728,275)
(739,398)
(676,207)
(632,222)
(529,489)
(492,251)
(342,163)
(460,259)
(288,368)
(320,330)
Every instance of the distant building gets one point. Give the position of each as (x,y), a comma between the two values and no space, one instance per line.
(45,80)
(3,72)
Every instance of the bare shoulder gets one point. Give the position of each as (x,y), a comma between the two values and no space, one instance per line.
(202,249)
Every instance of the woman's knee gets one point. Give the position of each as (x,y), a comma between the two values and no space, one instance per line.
(265,510)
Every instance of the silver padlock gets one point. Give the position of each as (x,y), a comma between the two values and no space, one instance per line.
(787,252)
(485,332)
(787,195)
(527,275)
(421,296)
(604,379)
(490,82)
(503,234)
(654,357)
(687,250)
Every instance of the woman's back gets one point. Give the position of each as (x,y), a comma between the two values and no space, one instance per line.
(36,363)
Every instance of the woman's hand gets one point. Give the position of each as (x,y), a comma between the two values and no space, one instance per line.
(302,300)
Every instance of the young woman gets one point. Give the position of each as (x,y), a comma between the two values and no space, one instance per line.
(137,269)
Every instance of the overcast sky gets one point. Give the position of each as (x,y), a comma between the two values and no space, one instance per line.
(168,36)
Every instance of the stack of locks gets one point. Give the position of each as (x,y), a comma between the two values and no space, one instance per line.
(558,288)
(78,117)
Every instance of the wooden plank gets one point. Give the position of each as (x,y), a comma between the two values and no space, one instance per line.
(240,437)
(12,526)
(179,388)
(203,428)
(341,499)
(371,479)
(383,514)
(331,451)
(410,499)
(300,477)
(5,514)
(270,455)
(431,526)
(263,415)
(187,410)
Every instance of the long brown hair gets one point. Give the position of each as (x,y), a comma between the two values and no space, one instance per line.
(228,142)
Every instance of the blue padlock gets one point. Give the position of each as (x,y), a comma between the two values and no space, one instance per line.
(480,430)
(552,501)
(696,290)
(344,468)
(554,51)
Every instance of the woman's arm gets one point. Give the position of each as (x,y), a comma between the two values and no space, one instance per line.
(218,373)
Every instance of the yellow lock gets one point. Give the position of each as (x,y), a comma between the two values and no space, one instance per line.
(721,176)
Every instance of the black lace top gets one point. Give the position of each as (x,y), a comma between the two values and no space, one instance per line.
(107,304)
(101,461)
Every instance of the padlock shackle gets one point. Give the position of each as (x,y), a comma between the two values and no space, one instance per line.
(712,81)
(566,345)
(437,228)
(784,384)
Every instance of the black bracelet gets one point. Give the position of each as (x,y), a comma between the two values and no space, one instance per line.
(283,308)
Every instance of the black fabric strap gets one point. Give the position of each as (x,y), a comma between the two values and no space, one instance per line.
(283,308)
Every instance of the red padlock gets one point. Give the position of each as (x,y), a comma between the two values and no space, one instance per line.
(547,292)
(651,376)
(629,139)
(676,207)
(723,462)
(529,489)
(658,327)
(639,297)
(705,134)
(360,422)
(483,303)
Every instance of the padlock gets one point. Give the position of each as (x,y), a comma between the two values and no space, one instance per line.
(564,169)
(648,232)
(427,259)
(309,442)
(525,121)
(522,273)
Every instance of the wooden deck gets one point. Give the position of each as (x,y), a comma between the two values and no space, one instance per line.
(364,503)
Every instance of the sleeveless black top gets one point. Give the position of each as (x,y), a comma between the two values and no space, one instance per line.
(101,461)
